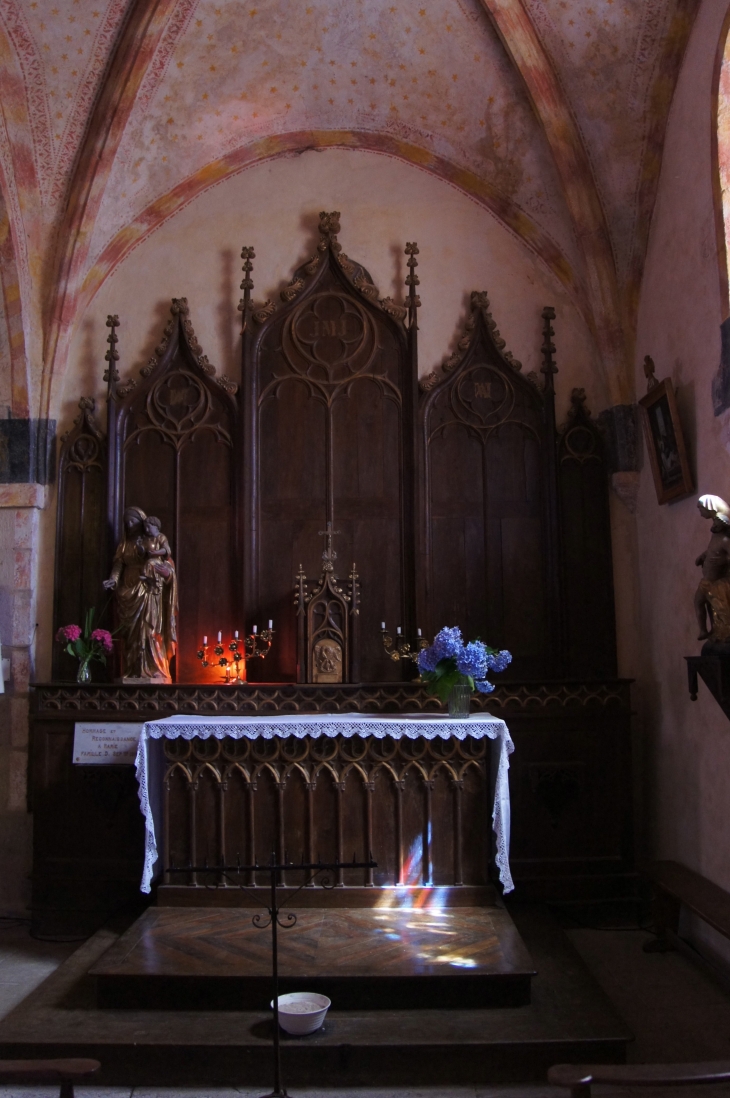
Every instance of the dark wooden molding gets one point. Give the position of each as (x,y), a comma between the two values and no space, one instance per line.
(152,702)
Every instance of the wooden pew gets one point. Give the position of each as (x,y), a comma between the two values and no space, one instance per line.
(64,1072)
(674,885)
(580,1077)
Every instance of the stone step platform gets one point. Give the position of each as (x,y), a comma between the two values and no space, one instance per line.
(569,1019)
(363,959)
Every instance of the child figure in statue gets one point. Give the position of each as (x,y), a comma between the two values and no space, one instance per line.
(155,548)
(712,599)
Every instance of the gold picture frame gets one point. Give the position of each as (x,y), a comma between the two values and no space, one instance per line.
(665,442)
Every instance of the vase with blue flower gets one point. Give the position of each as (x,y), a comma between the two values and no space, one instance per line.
(453,670)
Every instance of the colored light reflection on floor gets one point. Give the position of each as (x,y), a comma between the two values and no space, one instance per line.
(425,905)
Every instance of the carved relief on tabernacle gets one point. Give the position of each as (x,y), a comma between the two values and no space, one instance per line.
(327,660)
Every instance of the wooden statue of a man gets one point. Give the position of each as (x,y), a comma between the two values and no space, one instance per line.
(712,599)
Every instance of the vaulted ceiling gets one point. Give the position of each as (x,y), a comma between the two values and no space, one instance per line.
(114,113)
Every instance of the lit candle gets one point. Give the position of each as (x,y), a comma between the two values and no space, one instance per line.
(255,630)
(271,624)
(220,636)
(205,641)
(398,630)
(235,635)
(419,632)
(382,626)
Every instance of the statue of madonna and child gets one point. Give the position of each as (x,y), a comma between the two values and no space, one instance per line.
(144,583)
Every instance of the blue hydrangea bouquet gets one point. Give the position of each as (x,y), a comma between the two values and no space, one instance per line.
(448,662)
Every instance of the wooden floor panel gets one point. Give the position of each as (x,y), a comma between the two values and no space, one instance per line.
(365,957)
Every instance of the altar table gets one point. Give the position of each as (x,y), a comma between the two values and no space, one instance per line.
(314,725)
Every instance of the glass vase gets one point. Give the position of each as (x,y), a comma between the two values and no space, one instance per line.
(459,701)
(83,674)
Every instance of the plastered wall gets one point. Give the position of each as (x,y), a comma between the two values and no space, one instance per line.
(686,745)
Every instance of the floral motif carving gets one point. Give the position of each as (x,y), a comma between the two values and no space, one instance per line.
(267,309)
(227,384)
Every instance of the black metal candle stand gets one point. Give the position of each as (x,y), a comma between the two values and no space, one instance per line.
(272,917)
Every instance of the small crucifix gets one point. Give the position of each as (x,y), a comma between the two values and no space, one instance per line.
(329,553)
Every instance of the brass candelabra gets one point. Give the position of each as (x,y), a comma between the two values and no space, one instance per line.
(255,646)
(400,648)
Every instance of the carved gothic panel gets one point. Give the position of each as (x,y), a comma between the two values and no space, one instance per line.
(177,445)
(485,528)
(324,442)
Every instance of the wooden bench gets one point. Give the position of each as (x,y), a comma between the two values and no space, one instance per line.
(64,1072)
(580,1077)
(676,885)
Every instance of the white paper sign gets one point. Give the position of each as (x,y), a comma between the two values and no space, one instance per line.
(105,743)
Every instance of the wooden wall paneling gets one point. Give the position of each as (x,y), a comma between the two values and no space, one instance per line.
(88,837)
(80,532)
(588,603)
(177,450)
(488,525)
(328,431)
(570,791)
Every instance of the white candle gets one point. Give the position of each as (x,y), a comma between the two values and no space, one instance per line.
(271,624)
(255,630)
(419,632)
(382,626)
(220,636)
(205,641)
(235,635)
(398,630)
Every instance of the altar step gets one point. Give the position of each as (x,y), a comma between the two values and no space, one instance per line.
(569,1019)
(362,959)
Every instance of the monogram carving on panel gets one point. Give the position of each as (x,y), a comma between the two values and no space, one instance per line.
(329,340)
(485,398)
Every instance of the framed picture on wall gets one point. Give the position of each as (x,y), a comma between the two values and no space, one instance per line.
(665,442)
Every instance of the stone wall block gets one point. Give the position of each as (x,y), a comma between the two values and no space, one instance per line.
(23,563)
(25,527)
(23,624)
(20,669)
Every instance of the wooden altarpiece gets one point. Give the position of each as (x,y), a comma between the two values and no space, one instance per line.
(460,501)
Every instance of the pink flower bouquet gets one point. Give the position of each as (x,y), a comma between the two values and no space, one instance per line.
(86,644)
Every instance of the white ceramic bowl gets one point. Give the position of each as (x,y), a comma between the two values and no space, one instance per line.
(302,1011)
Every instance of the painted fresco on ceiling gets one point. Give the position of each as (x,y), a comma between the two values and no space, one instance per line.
(216,76)
(435,76)
(608,54)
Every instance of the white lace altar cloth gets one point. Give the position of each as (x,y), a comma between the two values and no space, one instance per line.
(149,763)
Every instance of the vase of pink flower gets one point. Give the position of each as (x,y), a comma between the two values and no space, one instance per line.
(85,644)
